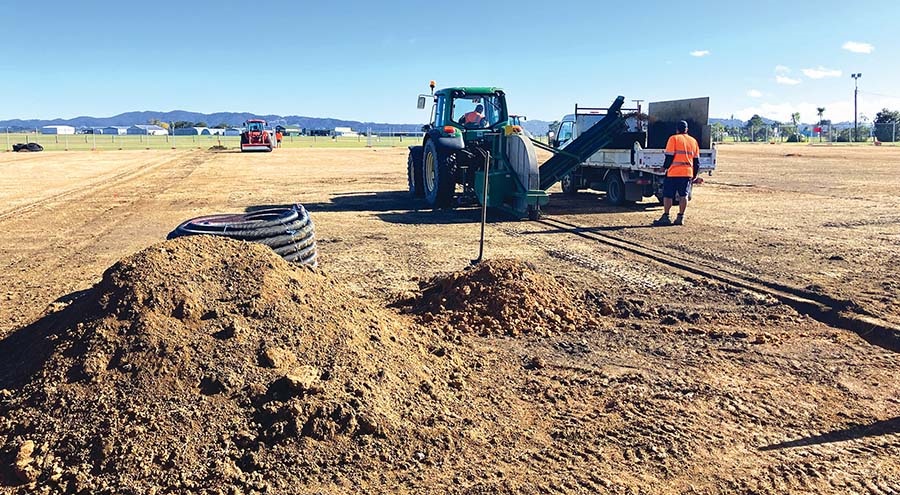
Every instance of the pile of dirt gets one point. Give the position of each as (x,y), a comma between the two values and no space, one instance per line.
(502,297)
(218,147)
(206,362)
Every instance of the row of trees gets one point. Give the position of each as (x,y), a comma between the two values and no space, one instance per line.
(885,127)
(181,124)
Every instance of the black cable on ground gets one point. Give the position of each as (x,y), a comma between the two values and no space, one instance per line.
(288,231)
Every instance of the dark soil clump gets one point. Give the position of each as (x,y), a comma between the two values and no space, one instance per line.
(503,297)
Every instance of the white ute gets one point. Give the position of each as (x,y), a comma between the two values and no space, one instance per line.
(632,167)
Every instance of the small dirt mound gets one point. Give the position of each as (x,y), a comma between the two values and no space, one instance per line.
(207,362)
(218,147)
(502,297)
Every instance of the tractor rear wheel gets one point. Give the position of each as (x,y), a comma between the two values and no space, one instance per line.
(414,172)
(437,177)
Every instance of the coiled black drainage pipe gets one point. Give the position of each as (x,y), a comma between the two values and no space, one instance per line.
(288,231)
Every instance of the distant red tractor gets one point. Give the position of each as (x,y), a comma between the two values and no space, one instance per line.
(255,137)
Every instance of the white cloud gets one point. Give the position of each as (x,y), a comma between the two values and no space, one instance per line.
(782,69)
(700,53)
(858,47)
(754,93)
(787,81)
(821,73)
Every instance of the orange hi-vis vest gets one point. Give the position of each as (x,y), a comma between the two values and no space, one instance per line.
(684,149)
(472,117)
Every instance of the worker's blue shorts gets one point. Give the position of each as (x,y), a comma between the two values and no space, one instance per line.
(675,185)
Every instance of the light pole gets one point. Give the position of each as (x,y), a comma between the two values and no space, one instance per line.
(855,77)
(640,124)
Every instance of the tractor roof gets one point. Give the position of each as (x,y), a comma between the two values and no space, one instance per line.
(475,90)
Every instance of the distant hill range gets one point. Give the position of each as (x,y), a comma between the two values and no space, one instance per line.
(536,127)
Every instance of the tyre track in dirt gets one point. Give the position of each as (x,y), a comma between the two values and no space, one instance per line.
(130,174)
(833,312)
(74,235)
(661,428)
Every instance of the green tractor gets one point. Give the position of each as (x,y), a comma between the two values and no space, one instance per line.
(471,131)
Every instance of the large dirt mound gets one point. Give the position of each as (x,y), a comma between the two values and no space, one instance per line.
(502,297)
(205,362)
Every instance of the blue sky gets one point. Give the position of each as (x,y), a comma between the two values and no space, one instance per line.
(369,60)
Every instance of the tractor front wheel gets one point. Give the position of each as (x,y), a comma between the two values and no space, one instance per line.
(414,172)
(437,177)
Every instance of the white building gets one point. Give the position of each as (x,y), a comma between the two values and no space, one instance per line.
(233,131)
(57,129)
(147,130)
(344,132)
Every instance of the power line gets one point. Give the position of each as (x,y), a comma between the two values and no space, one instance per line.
(878,94)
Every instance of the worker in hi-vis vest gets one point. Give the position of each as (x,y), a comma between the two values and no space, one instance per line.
(682,166)
(474,117)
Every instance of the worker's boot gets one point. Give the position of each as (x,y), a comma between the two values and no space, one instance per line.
(663,221)
(679,220)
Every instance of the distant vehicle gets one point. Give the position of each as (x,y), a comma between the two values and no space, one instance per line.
(255,136)
(27,147)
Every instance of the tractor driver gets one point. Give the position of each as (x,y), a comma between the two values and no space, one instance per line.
(473,118)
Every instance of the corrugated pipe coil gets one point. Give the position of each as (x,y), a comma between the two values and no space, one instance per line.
(288,231)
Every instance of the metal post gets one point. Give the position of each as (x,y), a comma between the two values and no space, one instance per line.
(7,140)
(855,77)
(484,203)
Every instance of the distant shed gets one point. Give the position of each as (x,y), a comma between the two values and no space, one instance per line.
(57,129)
(147,130)
(113,129)
(191,131)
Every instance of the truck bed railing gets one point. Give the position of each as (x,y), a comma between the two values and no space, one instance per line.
(600,135)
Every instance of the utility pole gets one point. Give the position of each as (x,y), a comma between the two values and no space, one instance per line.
(855,77)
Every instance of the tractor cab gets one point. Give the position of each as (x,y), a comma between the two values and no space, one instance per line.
(469,109)
(256,126)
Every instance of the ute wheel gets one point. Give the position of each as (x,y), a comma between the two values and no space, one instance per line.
(414,172)
(437,177)
(569,185)
(615,189)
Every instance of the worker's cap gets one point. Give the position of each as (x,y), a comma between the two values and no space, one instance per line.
(682,126)
(479,107)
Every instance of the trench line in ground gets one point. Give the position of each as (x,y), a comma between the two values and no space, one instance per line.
(825,309)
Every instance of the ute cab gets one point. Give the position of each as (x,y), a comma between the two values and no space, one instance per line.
(255,136)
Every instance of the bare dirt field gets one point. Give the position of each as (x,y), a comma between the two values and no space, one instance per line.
(615,374)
